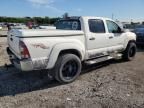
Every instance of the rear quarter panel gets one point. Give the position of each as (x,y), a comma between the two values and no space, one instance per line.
(44,51)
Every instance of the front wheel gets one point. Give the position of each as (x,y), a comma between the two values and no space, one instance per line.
(130,52)
(67,68)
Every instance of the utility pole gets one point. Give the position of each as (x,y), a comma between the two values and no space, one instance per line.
(112,16)
(131,20)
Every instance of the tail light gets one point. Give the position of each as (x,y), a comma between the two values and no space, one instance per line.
(24,51)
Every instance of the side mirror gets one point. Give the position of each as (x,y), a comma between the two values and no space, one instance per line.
(127,30)
(121,30)
(118,31)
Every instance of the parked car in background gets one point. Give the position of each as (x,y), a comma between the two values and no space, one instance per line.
(139,36)
(45,26)
(36,27)
(19,27)
(0,27)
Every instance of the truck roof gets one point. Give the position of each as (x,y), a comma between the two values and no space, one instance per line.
(93,17)
(87,17)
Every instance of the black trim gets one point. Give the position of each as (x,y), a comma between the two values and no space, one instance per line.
(53,36)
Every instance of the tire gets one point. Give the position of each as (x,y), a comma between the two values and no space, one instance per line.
(130,52)
(67,68)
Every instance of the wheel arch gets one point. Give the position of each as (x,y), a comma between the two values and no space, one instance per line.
(129,56)
(131,41)
(65,48)
(71,51)
(134,41)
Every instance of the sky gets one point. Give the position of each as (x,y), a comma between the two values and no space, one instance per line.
(121,9)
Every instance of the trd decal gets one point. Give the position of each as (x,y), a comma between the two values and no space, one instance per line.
(40,45)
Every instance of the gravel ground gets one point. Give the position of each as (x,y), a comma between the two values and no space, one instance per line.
(111,84)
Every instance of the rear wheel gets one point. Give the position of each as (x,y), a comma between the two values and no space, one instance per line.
(67,68)
(130,52)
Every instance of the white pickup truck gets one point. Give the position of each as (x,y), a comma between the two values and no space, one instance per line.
(75,40)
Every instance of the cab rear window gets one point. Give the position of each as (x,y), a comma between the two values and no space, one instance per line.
(68,25)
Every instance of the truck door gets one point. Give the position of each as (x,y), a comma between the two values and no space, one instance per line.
(116,36)
(97,41)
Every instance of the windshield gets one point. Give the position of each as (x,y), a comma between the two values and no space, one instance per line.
(68,25)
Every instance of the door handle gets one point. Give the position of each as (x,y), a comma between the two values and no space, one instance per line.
(111,37)
(93,38)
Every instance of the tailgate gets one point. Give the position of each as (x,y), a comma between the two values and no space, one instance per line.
(13,42)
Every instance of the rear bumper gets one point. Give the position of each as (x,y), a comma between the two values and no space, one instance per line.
(23,65)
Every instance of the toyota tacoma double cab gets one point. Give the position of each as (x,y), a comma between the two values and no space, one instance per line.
(75,40)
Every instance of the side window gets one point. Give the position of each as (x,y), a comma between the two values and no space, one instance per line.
(113,27)
(96,26)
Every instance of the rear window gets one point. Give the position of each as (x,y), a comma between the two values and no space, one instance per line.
(96,26)
(68,25)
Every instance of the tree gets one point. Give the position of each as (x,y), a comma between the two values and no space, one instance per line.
(35,20)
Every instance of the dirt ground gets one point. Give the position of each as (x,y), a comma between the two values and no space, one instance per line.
(111,84)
